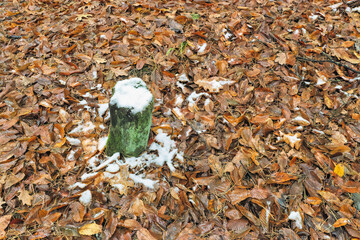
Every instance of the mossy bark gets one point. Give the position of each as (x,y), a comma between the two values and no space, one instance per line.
(129,132)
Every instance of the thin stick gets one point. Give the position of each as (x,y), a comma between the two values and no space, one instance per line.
(329,60)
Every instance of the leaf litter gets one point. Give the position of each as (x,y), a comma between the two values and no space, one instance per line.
(255,130)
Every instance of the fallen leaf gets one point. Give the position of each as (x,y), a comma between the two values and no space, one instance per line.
(90,229)
(339,169)
(25,197)
(341,222)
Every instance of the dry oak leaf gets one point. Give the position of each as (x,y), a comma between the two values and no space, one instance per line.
(281,58)
(25,197)
(213,84)
(293,140)
(90,229)
(4,222)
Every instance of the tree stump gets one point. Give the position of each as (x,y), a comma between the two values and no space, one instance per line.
(130,118)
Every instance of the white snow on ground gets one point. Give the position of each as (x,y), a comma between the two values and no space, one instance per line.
(161,152)
(131,93)
(73,141)
(78,184)
(103,108)
(202,48)
(321,81)
(179,100)
(146,182)
(102,143)
(183,78)
(295,216)
(194,97)
(85,198)
(88,126)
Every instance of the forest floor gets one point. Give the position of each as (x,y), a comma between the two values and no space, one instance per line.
(255,131)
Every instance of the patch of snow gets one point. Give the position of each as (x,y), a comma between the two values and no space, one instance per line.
(85,198)
(103,108)
(87,94)
(180,85)
(102,143)
(71,155)
(93,161)
(78,184)
(177,111)
(98,214)
(73,141)
(102,126)
(88,126)
(112,168)
(334,7)
(179,100)
(202,48)
(62,82)
(107,117)
(183,78)
(94,73)
(88,175)
(313,17)
(293,139)
(356,9)
(301,119)
(296,32)
(227,34)
(207,101)
(194,97)
(188,132)
(295,216)
(299,128)
(167,112)
(321,80)
(146,182)
(338,87)
(108,160)
(83,102)
(216,85)
(119,186)
(318,131)
(131,93)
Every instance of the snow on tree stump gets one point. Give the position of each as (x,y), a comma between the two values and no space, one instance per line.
(130,118)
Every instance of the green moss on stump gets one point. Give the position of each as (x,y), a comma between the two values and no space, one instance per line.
(130,125)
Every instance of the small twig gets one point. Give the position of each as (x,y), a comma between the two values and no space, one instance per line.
(337,111)
(248,172)
(329,60)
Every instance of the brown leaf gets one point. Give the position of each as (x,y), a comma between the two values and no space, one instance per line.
(25,197)
(313,200)
(213,84)
(238,194)
(90,229)
(131,223)
(215,165)
(144,234)
(281,177)
(253,73)
(341,222)
(77,211)
(4,222)
(13,179)
(137,208)
(249,215)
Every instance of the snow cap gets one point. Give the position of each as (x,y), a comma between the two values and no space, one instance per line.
(131,93)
